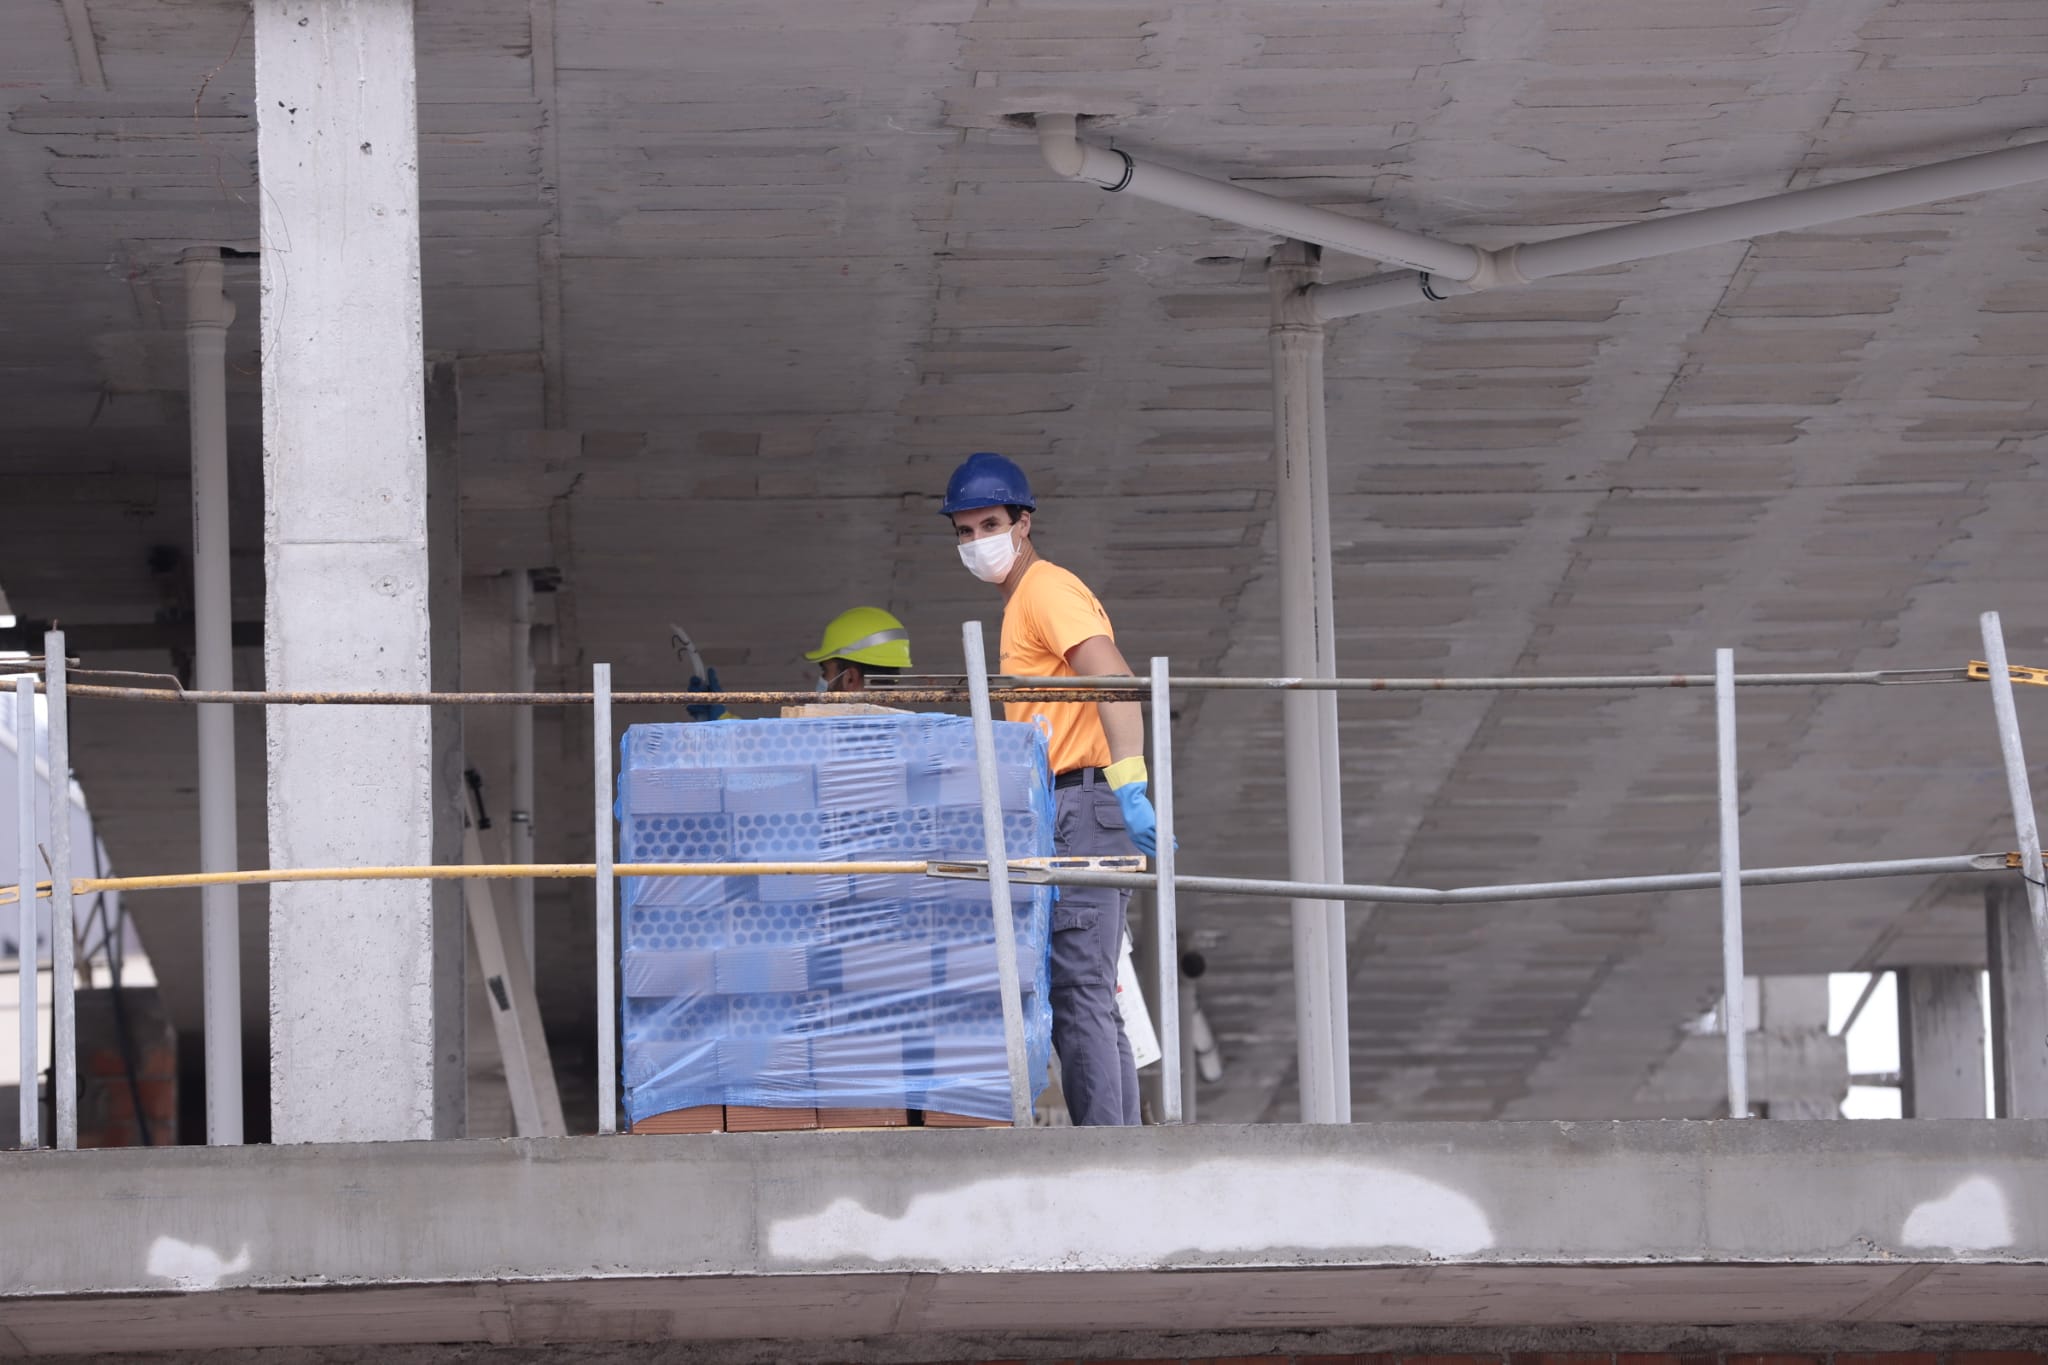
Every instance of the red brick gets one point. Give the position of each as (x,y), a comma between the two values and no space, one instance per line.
(1889,1358)
(1775,1360)
(1490,1359)
(1249,1360)
(1344,1360)
(1995,1358)
(1652,1358)
(1569,1358)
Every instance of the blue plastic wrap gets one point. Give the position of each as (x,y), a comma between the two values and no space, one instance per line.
(856,991)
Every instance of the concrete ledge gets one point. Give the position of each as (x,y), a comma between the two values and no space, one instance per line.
(849,1236)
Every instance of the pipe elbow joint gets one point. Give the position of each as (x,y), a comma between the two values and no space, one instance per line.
(1496,268)
(1059,143)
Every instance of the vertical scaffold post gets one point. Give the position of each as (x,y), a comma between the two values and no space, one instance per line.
(63,976)
(2017,787)
(995,850)
(25,921)
(1166,920)
(607,948)
(1732,974)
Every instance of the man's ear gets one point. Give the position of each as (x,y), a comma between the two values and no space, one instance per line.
(1024,520)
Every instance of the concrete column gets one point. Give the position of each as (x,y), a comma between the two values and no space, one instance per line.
(2019,1005)
(451,794)
(1941,1043)
(352,998)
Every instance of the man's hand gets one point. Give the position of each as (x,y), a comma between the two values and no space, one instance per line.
(706,710)
(1128,780)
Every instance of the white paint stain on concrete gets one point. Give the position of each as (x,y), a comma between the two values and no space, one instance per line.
(189,1265)
(1971,1217)
(1124,1219)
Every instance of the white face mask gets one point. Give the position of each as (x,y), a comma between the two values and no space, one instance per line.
(991,558)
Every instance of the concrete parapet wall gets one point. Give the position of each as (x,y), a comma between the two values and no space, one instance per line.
(918,1237)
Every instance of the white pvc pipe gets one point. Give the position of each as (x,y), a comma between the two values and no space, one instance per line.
(520,837)
(208,314)
(1734,985)
(27,906)
(1329,745)
(1677,232)
(1120,172)
(1297,359)
(63,920)
(1782,212)
(603,832)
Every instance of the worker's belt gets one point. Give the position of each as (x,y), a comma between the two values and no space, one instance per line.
(1079,776)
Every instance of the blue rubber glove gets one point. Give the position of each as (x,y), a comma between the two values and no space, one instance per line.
(1129,780)
(1139,819)
(706,710)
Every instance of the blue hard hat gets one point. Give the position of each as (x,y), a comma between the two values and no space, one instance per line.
(986,479)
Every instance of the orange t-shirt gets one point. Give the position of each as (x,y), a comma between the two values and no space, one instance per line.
(1051,612)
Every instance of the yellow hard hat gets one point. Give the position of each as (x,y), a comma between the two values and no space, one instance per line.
(865,635)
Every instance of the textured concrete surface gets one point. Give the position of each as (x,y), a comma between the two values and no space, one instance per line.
(354,998)
(809,1236)
(731,285)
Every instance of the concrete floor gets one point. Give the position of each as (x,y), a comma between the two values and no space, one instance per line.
(732,285)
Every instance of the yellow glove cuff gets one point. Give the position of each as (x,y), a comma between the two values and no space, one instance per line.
(1127,771)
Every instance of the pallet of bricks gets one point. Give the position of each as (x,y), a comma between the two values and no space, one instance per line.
(857,1001)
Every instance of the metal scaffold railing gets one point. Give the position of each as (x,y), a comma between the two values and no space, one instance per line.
(981,691)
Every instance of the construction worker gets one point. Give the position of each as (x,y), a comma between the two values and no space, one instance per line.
(863,643)
(1053,626)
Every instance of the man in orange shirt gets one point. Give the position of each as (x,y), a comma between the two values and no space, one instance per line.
(1054,627)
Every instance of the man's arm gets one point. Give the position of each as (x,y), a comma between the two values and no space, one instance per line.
(1123,722)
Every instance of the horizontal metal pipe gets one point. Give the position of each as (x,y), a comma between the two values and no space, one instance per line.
(1617,682)
(1485,895)
(1035,871)
(492,871)
(1120,172)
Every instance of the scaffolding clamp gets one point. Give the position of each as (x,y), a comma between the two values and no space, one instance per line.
(2016,861)
(2021,673)
(1037,871)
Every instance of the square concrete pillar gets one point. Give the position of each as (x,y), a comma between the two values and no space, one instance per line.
(1941,1043)
(2019,1005)
(352,982)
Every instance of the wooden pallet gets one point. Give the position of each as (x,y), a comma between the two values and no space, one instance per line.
(934,1118)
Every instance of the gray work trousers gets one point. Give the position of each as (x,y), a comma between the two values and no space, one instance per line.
(1096,1070)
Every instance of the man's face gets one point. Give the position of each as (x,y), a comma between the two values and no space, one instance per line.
(977,523)
(841,676)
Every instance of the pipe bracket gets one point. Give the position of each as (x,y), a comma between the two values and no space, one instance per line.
(1130,169)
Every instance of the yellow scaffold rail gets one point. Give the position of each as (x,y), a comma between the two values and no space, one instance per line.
(85,886)
(2020,673)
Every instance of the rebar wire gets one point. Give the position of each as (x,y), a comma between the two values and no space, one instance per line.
(1012,689)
